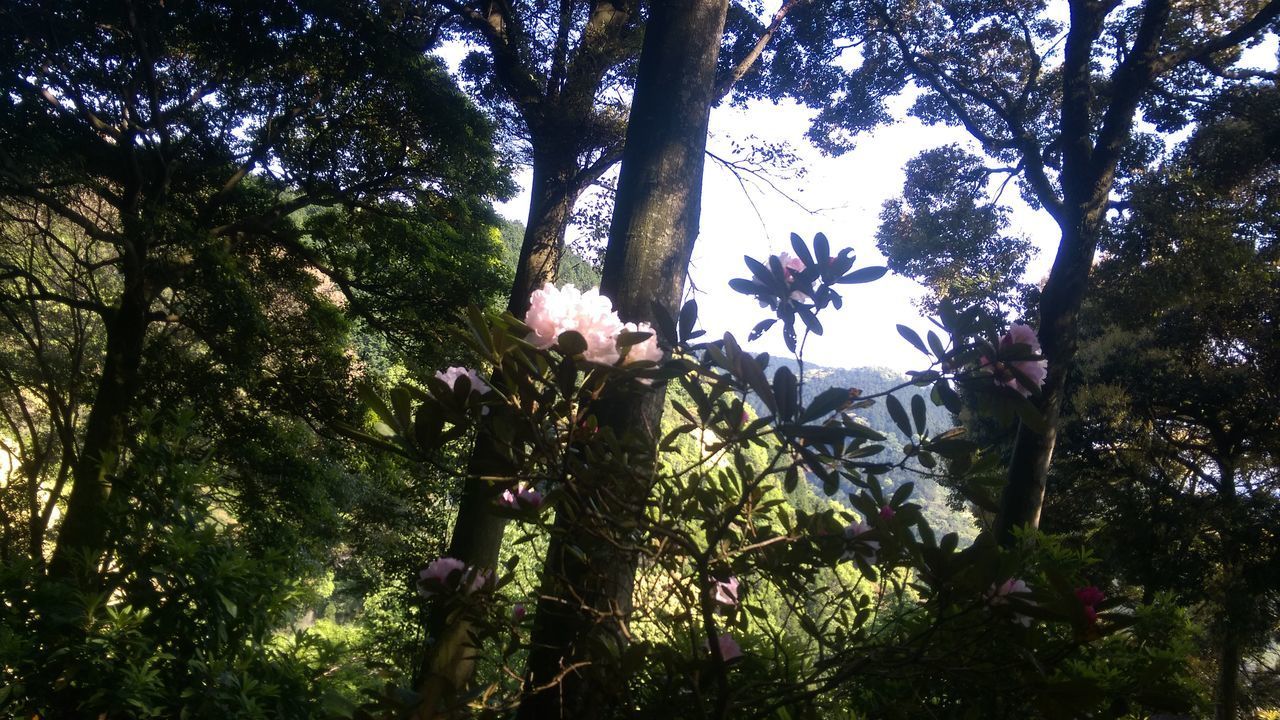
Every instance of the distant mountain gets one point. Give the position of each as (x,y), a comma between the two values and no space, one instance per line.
(928,493)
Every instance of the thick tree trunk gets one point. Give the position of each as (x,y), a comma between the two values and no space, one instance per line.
(1226,695)
(83,533)
(587,593)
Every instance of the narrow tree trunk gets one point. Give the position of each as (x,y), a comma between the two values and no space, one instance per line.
(1226,695)
(477,531)
(591,562)
(554,191)
(83,533)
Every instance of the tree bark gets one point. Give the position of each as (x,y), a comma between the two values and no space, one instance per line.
(555,189)
(591,562)
(83,533)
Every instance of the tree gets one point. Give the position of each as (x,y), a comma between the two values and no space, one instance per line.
(1175,421)
(555,77)
(947,234)
(168,147)
(589,574)
(1061,120)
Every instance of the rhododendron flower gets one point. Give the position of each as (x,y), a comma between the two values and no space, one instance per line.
(555,310)
(865,549)
(1090,595)
(448,574)
(1000,596)
(792,266)
(726,592)
(887,513)
(729,649)
(450,378)
(1034,370)
(644,350)
(518,612)
(521,497)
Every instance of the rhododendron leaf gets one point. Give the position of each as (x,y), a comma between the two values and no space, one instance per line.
(935,343)
(792,479)
(899,414)
(902,493)
(688,317)
(789,336)
(571,342)
(828,401)
(664,323)
(912,337)
(761,328)
(784,392)
(821,249)
(944,395)
(427,427)
(802,251)
(747,287)
(863,275)
(918,413)
(375,403)
(927,460)
(857,429)
(627,338)
(810,320)
(763,275)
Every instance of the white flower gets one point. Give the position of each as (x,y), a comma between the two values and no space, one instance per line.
(866,549)
(645,350)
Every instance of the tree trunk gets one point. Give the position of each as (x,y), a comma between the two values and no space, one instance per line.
(83,533)
(587,593)
(555,189)
(477,532)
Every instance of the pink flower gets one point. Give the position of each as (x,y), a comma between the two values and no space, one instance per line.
(518,612)
(556,310)
(865,549)
(1090,614)
(1090,595)
(792,266)
(521,497)
(729,649)
(1034,370)
(887,513)
(644,350)
(746,419)
(450,378)
(726,592)
(1015,589)
(448,574)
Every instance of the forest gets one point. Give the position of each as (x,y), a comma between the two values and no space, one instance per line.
(294,424)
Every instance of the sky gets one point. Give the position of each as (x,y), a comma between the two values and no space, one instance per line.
(841,197)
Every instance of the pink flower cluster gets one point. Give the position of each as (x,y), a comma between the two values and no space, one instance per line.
(865,549)
(1012,588)
(725,592)
(449,575)
(521,497)
(451,375)
(1033,370)
(553,311)
(792,266)
(729,648)
(1090,597)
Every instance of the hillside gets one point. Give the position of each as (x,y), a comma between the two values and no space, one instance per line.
(928,493)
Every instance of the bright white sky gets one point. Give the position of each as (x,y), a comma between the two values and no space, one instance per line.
(846,194)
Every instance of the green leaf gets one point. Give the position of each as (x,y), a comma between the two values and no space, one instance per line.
(902,493)
(899,414)
(828,401)
(918,413)
(912,337)
(863,275)
(571,343)
(688,317)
